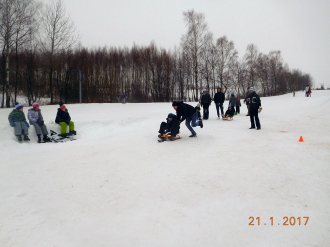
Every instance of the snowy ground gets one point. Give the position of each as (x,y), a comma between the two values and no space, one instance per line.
(117,186)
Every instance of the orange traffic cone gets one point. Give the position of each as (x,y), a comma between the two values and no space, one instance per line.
(301,139)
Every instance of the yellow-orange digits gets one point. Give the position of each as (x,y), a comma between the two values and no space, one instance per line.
(287,221)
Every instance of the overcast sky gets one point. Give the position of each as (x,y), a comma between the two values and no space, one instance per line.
(300,29)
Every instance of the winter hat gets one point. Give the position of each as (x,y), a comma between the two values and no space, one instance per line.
(63,107)
(35,105)
(198,105)
(232,94)
(175,103)
(204,90)
(18,105)
(171,115)
(252,89)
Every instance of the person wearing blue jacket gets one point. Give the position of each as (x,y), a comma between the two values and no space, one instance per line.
(17,120)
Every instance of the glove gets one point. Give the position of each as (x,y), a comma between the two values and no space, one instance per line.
(40,123)
(12,124)
(27,124)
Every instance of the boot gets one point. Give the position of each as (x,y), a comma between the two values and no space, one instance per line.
(72,132)
(26,138)
(19,138)
(39,138)
(46,139)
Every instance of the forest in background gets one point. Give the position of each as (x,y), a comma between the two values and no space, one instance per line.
(42,57)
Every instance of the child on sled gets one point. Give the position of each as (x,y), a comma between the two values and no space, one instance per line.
(170,129)
(229,114)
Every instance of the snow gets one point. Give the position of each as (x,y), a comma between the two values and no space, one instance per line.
(117,186)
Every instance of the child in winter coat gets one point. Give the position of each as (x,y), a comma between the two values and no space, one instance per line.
(229,113)
(238,104)
(198,110)
(64,120)
(171,127)
(232,101)
(18,121)
(36,119)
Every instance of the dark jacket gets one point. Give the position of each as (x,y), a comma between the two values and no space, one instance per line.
(238,102)
(184,110)
(246,97)
(219,97)
(206,99)
(229,112)
(232,101)
(172,126)
(255,101)
(62,116)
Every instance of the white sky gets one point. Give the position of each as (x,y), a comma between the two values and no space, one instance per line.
(298,28)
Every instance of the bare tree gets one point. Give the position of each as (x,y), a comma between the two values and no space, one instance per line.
(195,39)
(16,23)
(58,34)
(250,57)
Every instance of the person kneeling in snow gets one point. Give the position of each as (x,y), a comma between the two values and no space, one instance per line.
(171,127)
(63,119)
(36,119)
(18,121)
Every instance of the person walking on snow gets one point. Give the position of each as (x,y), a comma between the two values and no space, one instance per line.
(255,104)
(188,113)
(35,118)
(17,120)
(232,101)
(206,102)
(247,102)
(219,98)
(64,120)
(123,98)
(238,104)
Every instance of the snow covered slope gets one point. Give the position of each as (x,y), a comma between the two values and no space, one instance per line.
(117,186)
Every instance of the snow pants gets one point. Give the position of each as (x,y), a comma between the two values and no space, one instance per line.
(194,122)
(64,126)
(20,128)
(40,130)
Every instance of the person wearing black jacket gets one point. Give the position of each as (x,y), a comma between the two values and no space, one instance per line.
(63,119)
(255,104)
(219,98)
(205,102)
(171,127)
(247,102)
(188,113)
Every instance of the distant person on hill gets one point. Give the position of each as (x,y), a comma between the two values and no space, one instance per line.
(36,119)
(206,102)
(219,98)
(171,127)
(307,90)
(187,113)
(64,120)
(309,93)
(198,109)
(17,120)
(123,98)
(247,102)
(238,104)
(255,104)
(232,101)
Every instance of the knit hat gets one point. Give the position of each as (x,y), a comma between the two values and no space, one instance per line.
(171,115)
(175,103)
(63,107)
(18,105)
(252,89)
(232,94)
(35,105)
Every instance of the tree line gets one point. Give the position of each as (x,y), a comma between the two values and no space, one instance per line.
(42,58)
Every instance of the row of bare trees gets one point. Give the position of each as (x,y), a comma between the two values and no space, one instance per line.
(41,58)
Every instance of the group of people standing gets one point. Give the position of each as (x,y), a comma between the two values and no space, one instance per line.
(18,120)
(190,114)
